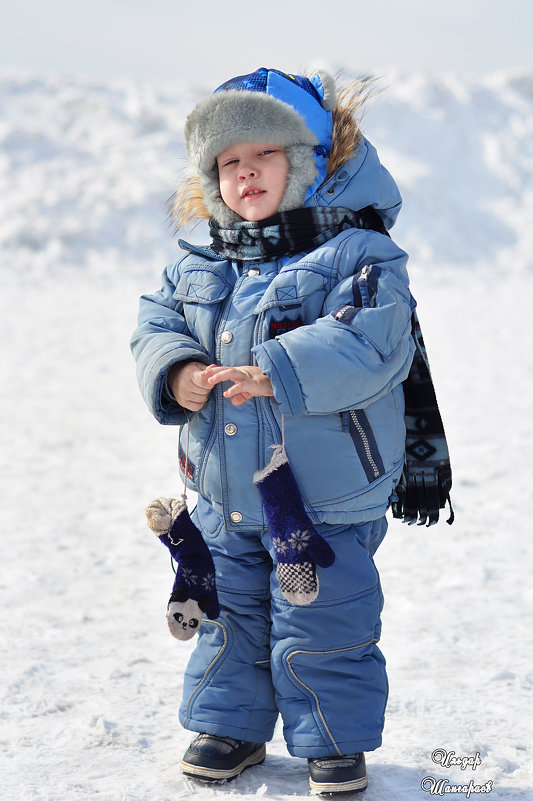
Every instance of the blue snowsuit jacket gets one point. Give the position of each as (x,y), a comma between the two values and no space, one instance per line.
(332,330)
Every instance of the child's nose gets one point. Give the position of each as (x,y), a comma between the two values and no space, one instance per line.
(248,171)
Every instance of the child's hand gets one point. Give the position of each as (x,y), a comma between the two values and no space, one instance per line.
(248,382)
(188,384)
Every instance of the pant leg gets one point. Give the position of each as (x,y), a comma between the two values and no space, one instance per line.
(329,675)
(228,685)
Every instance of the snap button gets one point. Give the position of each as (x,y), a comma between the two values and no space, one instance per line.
(330,191)
(226,336)
(235,517)
(230,429)
(253,271)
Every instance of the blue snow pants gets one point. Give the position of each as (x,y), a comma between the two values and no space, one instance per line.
(318,665)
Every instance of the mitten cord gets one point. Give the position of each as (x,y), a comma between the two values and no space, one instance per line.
(184,494)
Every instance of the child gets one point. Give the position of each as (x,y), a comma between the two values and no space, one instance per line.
(292,332)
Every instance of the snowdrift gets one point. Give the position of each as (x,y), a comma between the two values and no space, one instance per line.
(86,168)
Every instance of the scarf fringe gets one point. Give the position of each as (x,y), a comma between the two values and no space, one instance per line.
(419,496)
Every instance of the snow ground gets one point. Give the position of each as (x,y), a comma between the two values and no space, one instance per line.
(90,676)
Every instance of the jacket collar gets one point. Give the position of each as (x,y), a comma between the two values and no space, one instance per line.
(201,250)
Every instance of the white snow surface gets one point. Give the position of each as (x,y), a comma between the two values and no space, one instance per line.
(91,678)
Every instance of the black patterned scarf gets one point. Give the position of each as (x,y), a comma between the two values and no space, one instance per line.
(426,481)
(287,232)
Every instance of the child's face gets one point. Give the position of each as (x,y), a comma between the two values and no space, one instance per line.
(252,178)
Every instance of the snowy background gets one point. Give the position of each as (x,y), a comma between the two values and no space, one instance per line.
(91,678)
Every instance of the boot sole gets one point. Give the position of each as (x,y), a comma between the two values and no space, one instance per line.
(334,788)
(218,775)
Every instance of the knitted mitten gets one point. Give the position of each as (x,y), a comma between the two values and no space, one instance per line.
(298,546)
(194,591)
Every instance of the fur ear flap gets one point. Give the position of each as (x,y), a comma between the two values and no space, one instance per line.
(326,87)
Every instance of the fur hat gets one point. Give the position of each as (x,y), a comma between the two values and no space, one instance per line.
(265,106)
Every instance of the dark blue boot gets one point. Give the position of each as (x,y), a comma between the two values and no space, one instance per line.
(337,775)
(211,758)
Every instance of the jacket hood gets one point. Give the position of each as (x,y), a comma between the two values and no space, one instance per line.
(361,181)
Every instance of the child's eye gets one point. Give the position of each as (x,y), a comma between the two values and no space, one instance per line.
(227,162)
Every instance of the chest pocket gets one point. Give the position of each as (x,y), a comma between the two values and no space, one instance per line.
(294,289)
(201,286)
(202,293)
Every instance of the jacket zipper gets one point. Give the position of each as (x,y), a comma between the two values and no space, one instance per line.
(365,444)
(363,286)
(264,403)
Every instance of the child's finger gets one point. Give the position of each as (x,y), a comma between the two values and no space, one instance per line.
(200,379)
(241,398)
(197,393)
(224,374)
(237,388)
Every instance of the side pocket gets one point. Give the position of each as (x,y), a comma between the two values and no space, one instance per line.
(364,440)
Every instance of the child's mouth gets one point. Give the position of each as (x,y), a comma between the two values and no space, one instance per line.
(252,193)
